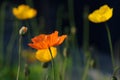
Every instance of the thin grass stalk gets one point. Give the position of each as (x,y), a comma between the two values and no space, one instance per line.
(12,41)
(27,71)
(85,31)
(19,59)
(71,18)
(71,13)
(86,43)
(59,18)
(115,73)
(53,67)
(69,67)
(2,22)
(65,61)
(86,69)
(64,68)
(116,70)
(26,77)
(110,45)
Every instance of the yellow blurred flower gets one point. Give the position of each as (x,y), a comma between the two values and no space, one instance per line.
(29,56)
(102,14)
(43,55)
(24,12)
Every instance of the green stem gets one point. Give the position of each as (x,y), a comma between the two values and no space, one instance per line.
(85,31)
(116,70)
(27,77)
(110,45)
(27,71)
(59,18)
(86,42)
(64,68)
(71,13)
(53,67)
(86,69)
(19,61)
(2,22)
(11,42)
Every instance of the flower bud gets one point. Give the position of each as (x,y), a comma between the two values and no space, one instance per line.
(23,30)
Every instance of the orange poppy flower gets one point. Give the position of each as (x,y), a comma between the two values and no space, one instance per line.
(44,41)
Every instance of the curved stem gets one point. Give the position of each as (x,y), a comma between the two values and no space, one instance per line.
(110,45)
(53,67)
(19,61)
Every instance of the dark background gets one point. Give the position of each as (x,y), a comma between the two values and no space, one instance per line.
(98,35)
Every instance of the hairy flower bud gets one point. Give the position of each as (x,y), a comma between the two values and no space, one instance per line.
(23,30)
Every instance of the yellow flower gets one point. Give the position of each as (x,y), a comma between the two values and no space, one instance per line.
(24,12)
(102,14)
(43,55)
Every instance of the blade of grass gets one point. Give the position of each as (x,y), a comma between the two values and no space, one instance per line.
(71,13)
(59,18)
(110,45)
(12,41)
(85,31)
(86,43)
(2,22)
